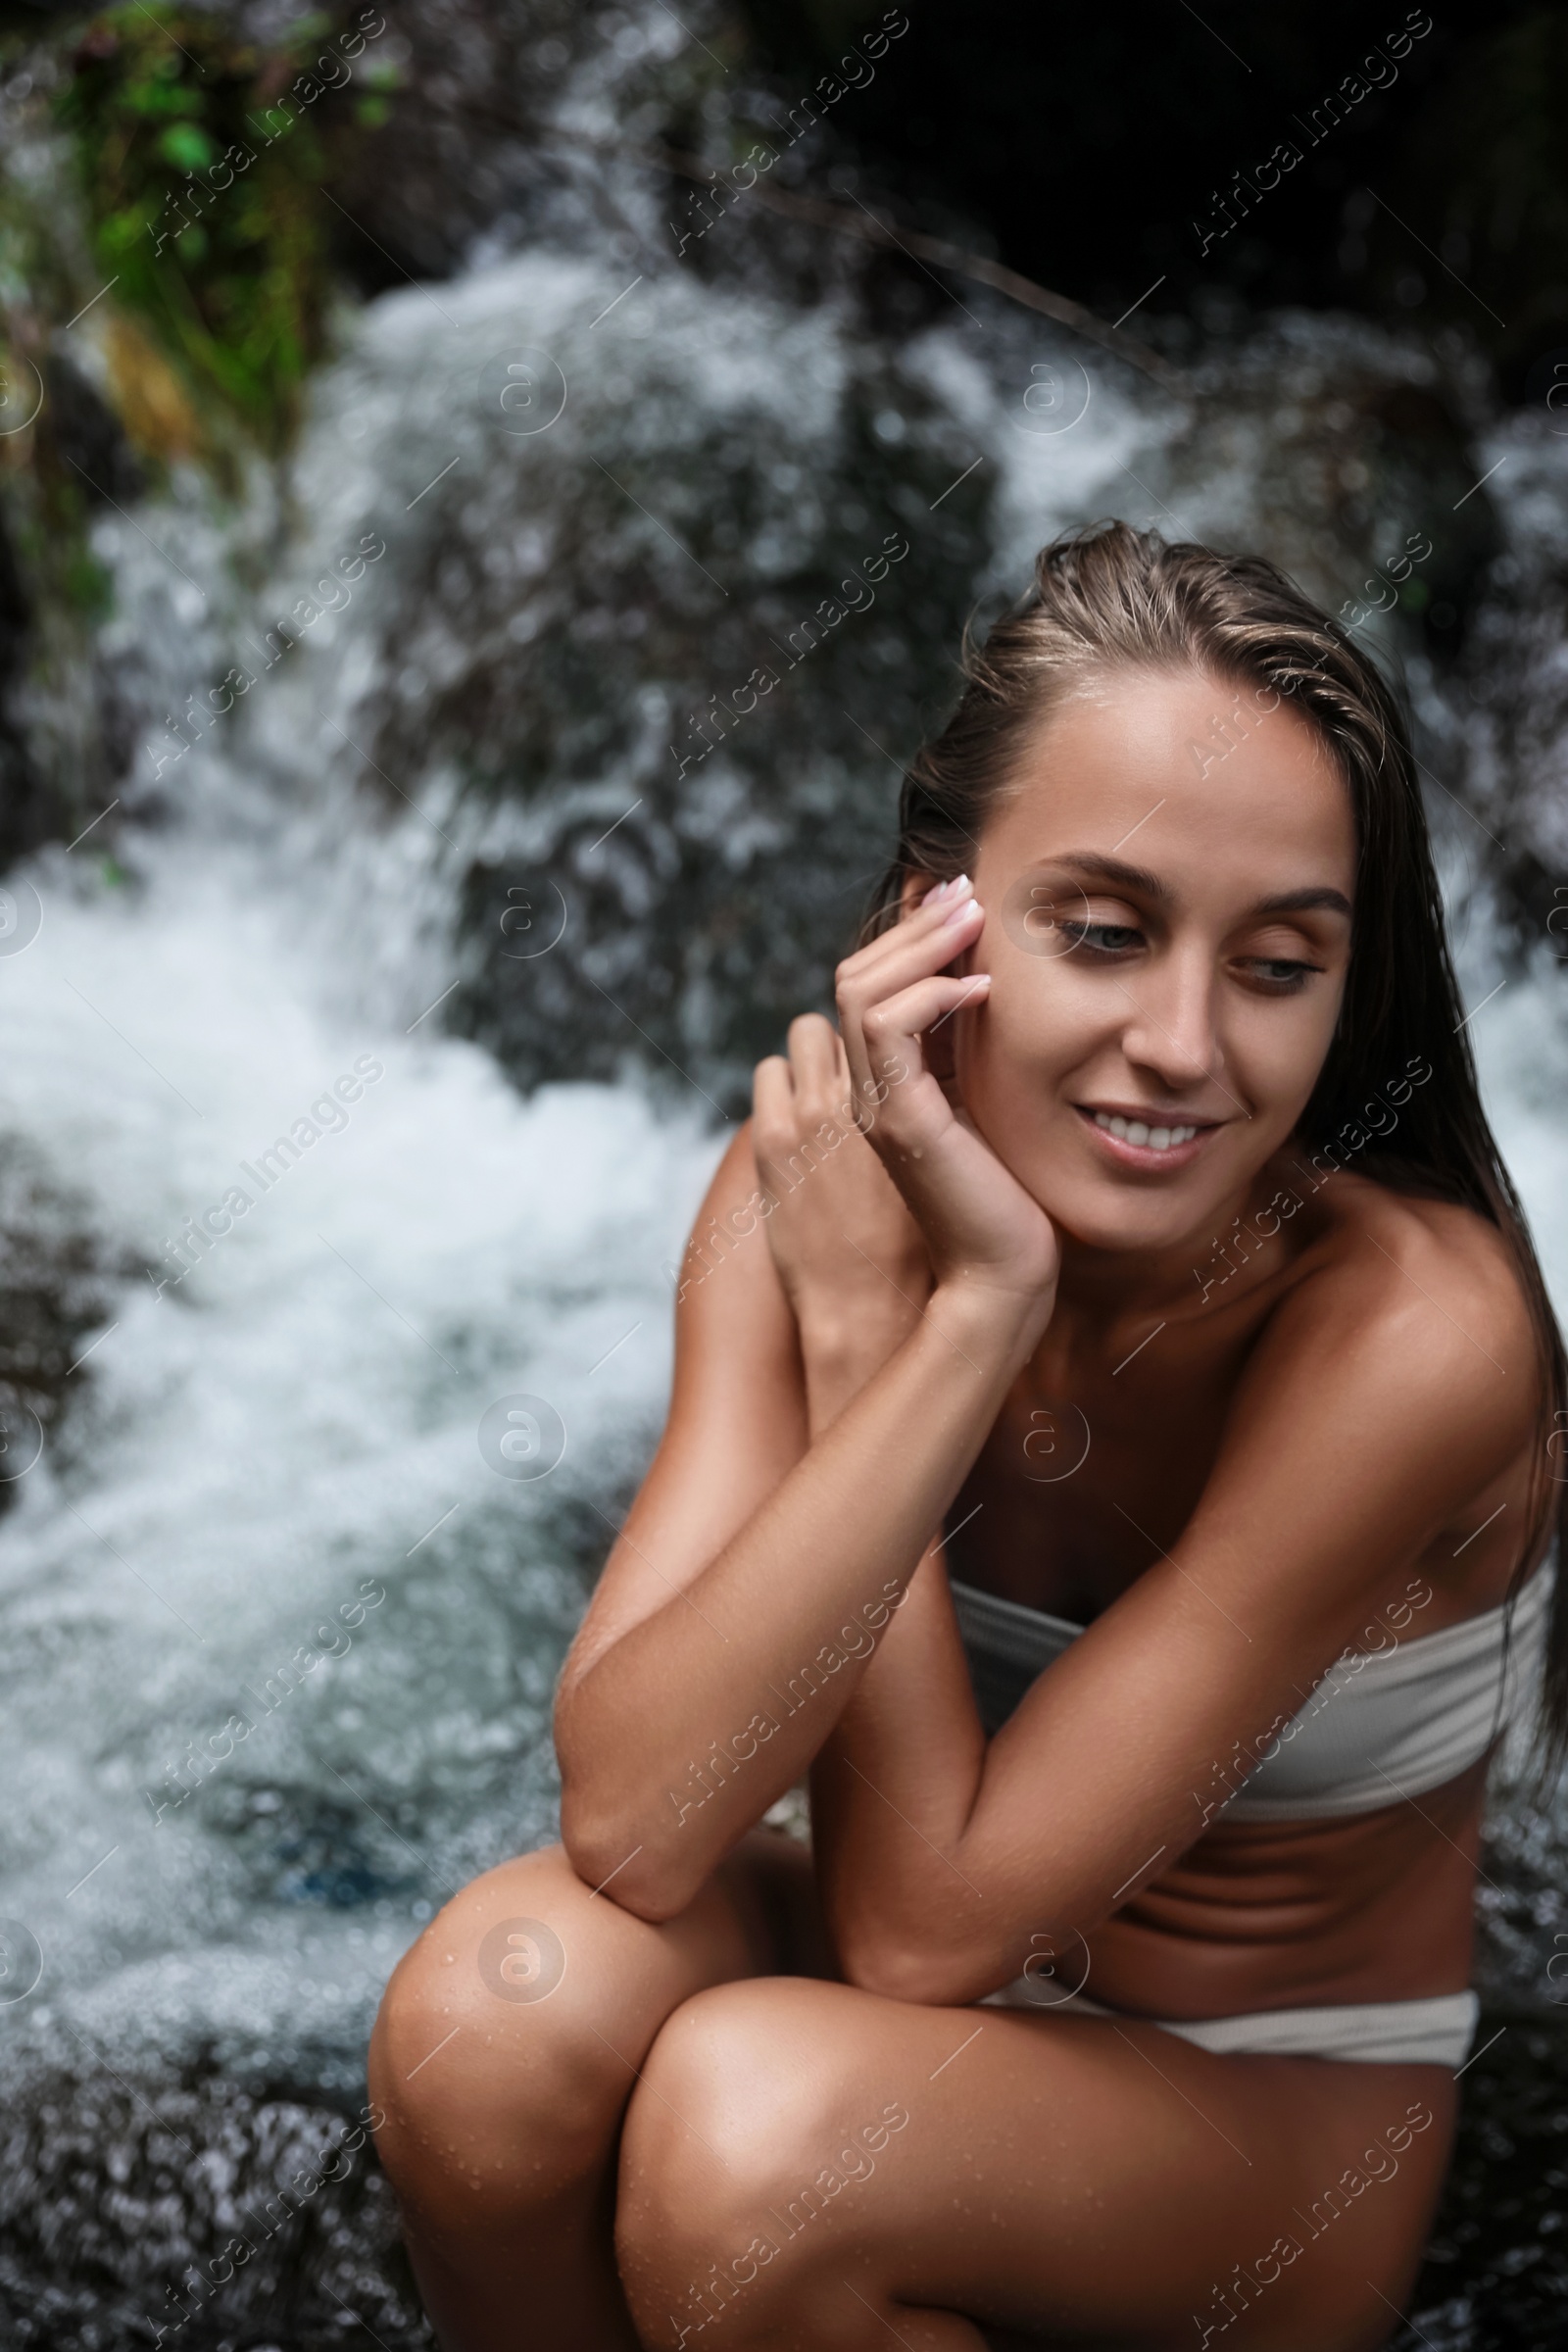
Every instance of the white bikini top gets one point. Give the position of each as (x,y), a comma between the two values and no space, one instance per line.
(1379,1725)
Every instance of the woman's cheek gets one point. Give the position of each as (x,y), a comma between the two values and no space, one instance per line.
(1272,1065)
(1039,1022)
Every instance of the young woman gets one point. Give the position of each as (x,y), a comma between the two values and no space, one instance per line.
(1110,1450)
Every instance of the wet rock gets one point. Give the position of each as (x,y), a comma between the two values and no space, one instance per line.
(120,2202)
(55,1278)
(220,2217)
(1495,2273)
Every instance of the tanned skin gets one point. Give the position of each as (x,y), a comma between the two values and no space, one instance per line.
(898,1345)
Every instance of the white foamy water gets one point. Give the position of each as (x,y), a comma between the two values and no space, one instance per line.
(276,1435)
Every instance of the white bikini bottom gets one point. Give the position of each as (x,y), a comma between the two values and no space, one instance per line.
(1437,2031)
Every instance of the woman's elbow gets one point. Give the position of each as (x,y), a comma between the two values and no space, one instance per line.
(610,1859)
(906,1968)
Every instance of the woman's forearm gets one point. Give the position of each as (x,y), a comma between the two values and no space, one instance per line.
(841,1350)
(893,1792)
(682,1734)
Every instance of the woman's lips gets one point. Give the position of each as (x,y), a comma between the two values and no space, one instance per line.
(1146,1156)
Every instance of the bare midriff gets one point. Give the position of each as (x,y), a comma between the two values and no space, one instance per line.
(1295,1914)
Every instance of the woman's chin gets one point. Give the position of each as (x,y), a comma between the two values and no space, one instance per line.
(1113,1219)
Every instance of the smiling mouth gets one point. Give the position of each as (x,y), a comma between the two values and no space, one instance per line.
(1148,1140)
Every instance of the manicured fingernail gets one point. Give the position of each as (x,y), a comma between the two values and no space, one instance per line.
(941,891)
(965,907)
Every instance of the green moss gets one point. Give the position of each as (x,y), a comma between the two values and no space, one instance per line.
(87,585)
(201,159)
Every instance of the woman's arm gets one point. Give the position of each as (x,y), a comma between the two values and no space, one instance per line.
(688,1725)
(1391,1398)
(762,1563)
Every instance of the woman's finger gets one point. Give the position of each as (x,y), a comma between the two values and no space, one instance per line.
(928,917)
(895,1027)
(773,1132)
(921,952)
(923,944)
(903,1105)
(818,1068)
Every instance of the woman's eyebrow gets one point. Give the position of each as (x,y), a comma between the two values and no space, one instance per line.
(1113,869)
(1304,901)
(1096,864)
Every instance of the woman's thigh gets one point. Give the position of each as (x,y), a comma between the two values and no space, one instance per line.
(805,2157)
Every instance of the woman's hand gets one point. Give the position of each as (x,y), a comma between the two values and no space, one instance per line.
(982,1230)
(849,1253)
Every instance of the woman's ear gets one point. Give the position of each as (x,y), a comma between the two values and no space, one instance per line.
(914,889)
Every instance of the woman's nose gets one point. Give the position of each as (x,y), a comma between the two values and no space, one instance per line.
(1170,1022)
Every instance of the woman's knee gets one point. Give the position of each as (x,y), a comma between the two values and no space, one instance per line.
(507,2037)
(739,2146)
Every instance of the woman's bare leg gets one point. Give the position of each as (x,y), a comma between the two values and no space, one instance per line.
(508,2040)
(808,2166)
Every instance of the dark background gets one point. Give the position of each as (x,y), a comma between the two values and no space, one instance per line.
(1085,141)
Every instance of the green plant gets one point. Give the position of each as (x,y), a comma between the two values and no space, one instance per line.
(201,158)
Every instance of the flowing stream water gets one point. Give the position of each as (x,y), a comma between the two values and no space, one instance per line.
(458,899)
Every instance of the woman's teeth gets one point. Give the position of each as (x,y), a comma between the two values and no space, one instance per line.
(1135,1130)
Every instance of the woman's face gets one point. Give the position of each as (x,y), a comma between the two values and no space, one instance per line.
(1167,930)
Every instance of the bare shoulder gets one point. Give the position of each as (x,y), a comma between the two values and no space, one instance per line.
(1427,1273)
(1398,1374)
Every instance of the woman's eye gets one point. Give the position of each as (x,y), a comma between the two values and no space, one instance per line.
(1281,973)
(1103,939)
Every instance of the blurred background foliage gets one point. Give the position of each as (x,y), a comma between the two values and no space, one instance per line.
(202,156)
(1080,147)
(166,114)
